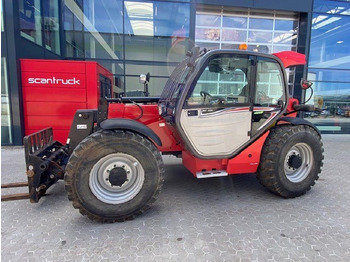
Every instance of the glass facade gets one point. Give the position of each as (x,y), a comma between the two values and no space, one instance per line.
(133,37)
(39,23)
(51,25)
(6,133)
(30,20)
(263,32)
(329,65)
(129,38)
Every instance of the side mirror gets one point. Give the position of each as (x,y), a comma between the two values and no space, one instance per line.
(305,84)
(144,79)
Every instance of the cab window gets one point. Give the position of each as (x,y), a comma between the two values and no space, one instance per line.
(224,81)
(269,85)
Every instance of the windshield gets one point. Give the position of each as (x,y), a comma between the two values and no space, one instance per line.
(176,79)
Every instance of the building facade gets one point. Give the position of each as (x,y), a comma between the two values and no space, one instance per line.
(130,38)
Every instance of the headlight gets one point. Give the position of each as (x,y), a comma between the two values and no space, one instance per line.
(160,109)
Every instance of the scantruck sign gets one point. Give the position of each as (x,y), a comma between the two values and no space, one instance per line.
(54,81)
(53,90)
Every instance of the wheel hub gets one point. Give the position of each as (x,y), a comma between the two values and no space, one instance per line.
(295,161)
(117,176)
(298,162)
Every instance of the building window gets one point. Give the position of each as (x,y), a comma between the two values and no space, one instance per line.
(329,66)
(129,37)
(2,17)
(6,137)
(266,33)
(51,26)
(214,88)
(30,20)
(156,31)
(94,29)
(103,29)
(330,41)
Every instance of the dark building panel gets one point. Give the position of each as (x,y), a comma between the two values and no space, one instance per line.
(30,50)
(285,5)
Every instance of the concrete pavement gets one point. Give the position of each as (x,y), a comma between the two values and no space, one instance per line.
(218,219)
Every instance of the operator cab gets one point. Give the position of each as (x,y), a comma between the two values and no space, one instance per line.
(221,100)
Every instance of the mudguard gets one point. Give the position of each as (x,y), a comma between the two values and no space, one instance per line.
(299,121)
(132,125)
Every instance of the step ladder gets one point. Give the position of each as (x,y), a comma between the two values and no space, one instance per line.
(211,173)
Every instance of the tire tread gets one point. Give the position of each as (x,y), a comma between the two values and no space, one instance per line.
(73,167)
(278,136)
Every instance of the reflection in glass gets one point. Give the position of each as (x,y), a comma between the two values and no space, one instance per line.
(163,34)
(230,46)
(269,86)
(112,66)
(330,42)
(285,25)
(234,35)
(134,88)
(260,37)
(285,38)
(6,136)
(208,34)
(283,48)
(329,75)
(157,19)
(30,20)
(225,79)
(266,35)
(332,7)
(154,49)
(261,23)
(103,29)
(154,70)
(208,20)
(51,26)
(234,22)
(208,46)
(333,103)
(141,18)
(2,18)
(94,29)
(266,49)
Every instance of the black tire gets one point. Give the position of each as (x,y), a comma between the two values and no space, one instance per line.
(278,170)
(87,157)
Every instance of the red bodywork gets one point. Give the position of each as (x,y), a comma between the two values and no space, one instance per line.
(245,162)
(290,58)
(53,90)
(55,105)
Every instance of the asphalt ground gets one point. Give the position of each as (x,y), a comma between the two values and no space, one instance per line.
(216,219)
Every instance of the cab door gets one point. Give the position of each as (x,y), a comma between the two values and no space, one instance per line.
(217,114)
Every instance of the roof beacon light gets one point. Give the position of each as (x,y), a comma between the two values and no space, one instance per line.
(243,46)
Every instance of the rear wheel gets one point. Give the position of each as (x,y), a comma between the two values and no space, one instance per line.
(114,175)
(291,160)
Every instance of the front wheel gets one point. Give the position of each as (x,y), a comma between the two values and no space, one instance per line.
(291,160)
(114,175)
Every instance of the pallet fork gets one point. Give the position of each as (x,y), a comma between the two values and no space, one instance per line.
(44,162)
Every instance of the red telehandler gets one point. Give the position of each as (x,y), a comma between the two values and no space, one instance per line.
(223,112)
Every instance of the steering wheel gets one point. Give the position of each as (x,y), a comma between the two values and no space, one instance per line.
(213,100)
(205,94)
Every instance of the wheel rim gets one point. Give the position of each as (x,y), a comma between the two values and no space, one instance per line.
(298,162)
(116,178)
